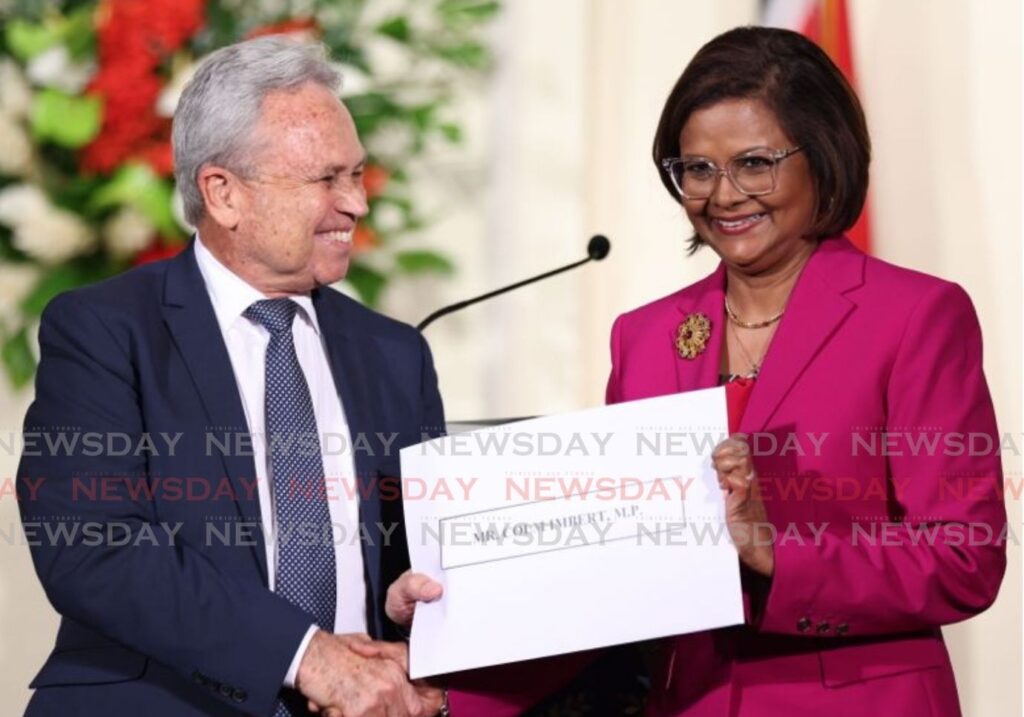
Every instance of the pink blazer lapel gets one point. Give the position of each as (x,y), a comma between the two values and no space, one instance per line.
(702,370)
(817,309)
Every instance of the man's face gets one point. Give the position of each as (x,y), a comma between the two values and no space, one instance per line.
(301,201)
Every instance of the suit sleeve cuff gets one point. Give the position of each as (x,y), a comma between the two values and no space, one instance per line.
(293,669)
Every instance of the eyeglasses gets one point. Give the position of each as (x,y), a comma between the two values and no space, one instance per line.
(752,173)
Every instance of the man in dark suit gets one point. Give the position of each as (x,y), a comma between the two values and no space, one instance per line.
(235,558)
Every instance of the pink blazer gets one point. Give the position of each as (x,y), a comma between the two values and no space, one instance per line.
(843,629)
(904,497)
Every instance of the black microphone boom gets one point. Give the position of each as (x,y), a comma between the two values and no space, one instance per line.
(597,249)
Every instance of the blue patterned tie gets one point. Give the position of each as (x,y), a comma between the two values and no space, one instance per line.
(306,574)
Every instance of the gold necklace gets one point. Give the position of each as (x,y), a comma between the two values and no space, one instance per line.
(751,324)
(755,366)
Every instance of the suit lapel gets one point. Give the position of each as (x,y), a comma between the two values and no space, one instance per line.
(815,311)
(191,320)
(350,372)
(702,371)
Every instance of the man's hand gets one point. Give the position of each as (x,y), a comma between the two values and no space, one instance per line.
(431,696)
(745,513)
(404,593)
(357,677)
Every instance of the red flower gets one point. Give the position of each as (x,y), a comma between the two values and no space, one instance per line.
(299,28)
(159,156)
(150,27)
(375,178)
(158,251)
(135,36)
(364,238)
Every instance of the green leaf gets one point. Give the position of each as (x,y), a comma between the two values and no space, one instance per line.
(451,132)
(420,261)
(139,186)
(469,54)
(367,282)
(64,119)
(79,32)
(371,104)
(397,28)
(17,357)
(75,192)
(341,49)
(26,39)
(423,115)
(59,279)
(371,111)
(468,10)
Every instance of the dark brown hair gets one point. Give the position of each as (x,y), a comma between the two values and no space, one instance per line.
(814,104)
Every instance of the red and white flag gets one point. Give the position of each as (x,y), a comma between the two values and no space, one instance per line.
(827,23)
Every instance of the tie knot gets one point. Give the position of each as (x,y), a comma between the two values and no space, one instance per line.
(275,315)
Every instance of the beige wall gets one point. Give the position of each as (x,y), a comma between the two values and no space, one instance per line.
(574,110)
(559,150)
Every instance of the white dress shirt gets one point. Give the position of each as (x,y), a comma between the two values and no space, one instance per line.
(247,342)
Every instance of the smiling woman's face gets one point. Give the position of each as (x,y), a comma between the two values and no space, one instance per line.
(751,234)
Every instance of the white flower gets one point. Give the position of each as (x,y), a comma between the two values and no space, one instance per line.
(53,237)
(127,232)
(393,140)
(15,147)
(16,281)
(18,201)
(42,231)
(353,80)
(389,60)
(178,211)
(388,218)
(54,68)
(15,94)
(167,102)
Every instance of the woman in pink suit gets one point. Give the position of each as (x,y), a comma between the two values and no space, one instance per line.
(862,520)
(863,516)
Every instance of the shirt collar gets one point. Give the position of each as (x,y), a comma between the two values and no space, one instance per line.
(231,295)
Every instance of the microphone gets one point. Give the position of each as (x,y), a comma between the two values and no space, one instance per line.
(597,249)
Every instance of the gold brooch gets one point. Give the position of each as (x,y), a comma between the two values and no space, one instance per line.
(693,334)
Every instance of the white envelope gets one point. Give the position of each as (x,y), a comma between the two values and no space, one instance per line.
(570,532)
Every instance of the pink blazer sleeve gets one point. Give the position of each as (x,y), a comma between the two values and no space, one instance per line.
(942,559)
(611,394)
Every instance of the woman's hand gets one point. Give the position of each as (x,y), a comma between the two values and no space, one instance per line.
(744,510)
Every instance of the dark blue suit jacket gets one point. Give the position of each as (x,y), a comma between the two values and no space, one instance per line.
(187,626)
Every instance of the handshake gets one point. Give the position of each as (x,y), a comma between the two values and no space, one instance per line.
(354,676)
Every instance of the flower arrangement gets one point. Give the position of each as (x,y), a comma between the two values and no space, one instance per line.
(87,92)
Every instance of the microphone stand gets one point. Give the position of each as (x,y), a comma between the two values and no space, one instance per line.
(597,249)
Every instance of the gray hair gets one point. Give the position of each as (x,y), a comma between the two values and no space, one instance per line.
(221,104)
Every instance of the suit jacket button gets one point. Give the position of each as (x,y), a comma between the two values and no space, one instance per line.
(803,624)
(842,628)
(239,696)
(824,627)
